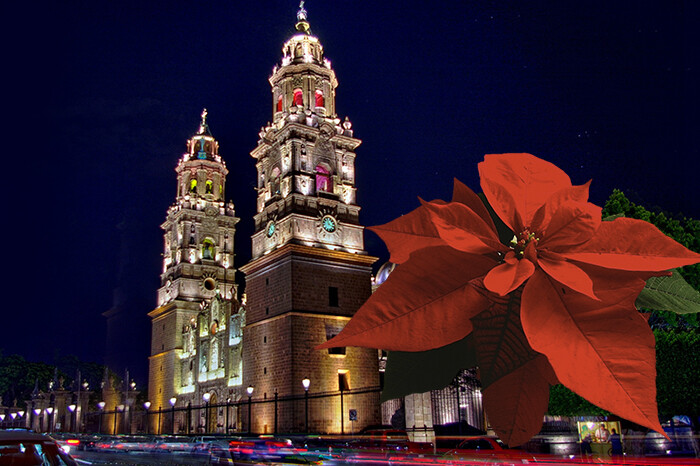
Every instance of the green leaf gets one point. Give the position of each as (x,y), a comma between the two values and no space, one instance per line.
(610,218)
(669,294)
(422,371)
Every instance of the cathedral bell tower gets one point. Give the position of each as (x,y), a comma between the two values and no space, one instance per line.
(309,272)
(197,265)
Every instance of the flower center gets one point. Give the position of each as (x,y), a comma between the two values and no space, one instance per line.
(522,239)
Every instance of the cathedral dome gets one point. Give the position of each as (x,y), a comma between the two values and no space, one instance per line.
(202,146)
(384,272)
(303,47)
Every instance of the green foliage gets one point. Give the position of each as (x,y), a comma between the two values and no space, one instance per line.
(18,376)
(678,372)
(564,402)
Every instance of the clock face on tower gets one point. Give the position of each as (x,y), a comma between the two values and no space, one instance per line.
(329,224)
(271,227)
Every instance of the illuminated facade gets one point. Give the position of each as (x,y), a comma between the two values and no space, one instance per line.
(308,275)
(309,271)
(196,328)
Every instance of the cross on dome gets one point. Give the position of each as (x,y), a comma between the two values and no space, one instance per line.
(301,14)
(203,124)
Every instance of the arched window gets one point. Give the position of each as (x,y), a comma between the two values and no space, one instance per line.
(323,179)
(275,181)
(208,249)
(279,104)
(319,98)
(193,185)
(298,98)
(209,188)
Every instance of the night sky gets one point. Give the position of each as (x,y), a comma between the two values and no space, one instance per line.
(103,95)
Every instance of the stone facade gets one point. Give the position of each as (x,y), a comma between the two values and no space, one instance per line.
(309,273)
(192,346)
(308,276)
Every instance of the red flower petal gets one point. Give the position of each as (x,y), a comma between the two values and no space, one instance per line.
(604,351)
(463,194)
(517,185)
(408,233)
(425,303)
(630,244)
(463,229)
(544,214)
(508,276)
(572,224)
(566,273)
(517,403)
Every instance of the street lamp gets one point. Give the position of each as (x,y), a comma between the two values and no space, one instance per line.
(228,403)
(147,405)
(117,408)
(250,394)
(206,397)
(49,411)
(71,408)
(38,412)
(276,411)
(101,406)
(306,383)
(173,400)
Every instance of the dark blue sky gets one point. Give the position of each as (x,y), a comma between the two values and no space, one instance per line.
(103,96)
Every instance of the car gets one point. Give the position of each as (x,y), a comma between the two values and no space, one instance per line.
(68,442)
(28,448)
(268,451)
(174,445)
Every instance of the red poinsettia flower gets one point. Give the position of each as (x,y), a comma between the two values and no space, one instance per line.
(555,305)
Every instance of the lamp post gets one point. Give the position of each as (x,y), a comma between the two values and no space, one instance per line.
(100,405)
(49,412)
(342,421)
(160,409)
(206,397)
(172,400)
(20,415)
(128,419)
(228,404)
(50,409)
(147,405)
(37,412)
(306,383)
(276,411)
(79,419)
(116,411)
(250,395)
(71,408)
(189,416)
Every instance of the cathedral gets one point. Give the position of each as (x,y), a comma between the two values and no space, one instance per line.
(250,360)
